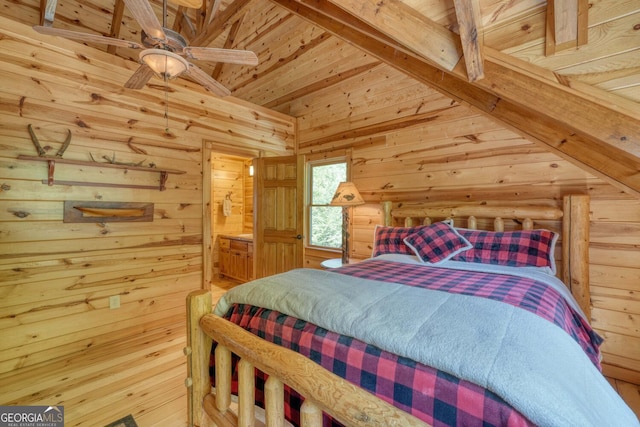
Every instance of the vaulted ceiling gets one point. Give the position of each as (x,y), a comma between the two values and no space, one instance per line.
(565,74)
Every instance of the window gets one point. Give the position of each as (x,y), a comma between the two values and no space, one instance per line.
(325,221)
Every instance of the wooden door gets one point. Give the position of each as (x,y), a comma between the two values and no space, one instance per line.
(250,274)
(278,217)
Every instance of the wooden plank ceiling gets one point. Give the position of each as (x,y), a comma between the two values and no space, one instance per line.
(527,64)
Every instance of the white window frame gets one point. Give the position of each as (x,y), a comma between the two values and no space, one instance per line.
(309,185)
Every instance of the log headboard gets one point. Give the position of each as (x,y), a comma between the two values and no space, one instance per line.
(574,214)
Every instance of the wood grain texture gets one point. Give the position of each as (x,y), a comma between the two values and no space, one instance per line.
(575,249)
(471,36)
(341,97)
(60,338)
(538,107)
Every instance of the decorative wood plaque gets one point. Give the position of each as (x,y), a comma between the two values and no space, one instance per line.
(78,211)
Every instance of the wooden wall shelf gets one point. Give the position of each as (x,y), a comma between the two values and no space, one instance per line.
(164,173)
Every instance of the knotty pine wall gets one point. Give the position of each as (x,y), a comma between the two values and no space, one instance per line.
(61,343)
(409,143)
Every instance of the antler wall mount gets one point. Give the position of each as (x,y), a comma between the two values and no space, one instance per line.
(111,163)
(40,149)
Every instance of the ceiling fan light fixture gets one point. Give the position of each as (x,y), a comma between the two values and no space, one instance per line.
(165,64)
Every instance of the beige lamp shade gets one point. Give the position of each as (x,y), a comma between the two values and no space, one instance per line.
(347,195)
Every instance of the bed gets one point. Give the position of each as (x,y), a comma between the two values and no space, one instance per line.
(445,324)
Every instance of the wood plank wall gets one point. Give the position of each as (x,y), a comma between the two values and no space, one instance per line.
(55,279)
(61,343)
(409,143)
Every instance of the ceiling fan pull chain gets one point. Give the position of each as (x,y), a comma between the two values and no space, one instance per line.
(166,103)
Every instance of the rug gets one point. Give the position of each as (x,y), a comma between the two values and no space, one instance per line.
(127,421)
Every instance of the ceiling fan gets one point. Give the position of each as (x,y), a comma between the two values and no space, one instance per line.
(163,50)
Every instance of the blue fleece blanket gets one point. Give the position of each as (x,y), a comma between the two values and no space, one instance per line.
(528,361)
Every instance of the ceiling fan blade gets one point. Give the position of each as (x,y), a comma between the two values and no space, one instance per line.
(144,14)
(207,81)
(232,56)
(90,38)
(139,78)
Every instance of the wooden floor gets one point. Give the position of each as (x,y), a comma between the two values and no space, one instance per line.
(629,392)
(141,375)
(220,286)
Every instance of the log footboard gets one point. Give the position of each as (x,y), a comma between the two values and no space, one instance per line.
(322,390)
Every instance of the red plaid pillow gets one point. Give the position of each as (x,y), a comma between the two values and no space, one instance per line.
(390,240)
(526,248)
(437,243)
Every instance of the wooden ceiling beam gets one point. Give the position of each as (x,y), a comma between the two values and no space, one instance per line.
(183,24)
(212,10)
(116,23)
(470,27)
(567,25)
(346,19)
(219,24)
(588,132)
(201,17)
(409,28)
(47,12)
(177,20)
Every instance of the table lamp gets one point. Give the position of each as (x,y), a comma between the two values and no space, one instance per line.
(346,195)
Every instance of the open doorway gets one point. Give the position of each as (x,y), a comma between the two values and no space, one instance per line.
(231,220)
(276,221)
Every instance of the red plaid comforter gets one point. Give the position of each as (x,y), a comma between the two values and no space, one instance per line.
(528,294)
(434,396)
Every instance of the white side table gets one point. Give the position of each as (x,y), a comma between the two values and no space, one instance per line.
(331,263)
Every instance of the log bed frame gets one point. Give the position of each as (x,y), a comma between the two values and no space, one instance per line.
(323,390)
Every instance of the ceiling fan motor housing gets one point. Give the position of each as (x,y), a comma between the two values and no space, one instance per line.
(174,42)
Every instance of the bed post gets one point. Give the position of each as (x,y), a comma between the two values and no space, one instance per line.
(575,249)
(198,343)
(386,213)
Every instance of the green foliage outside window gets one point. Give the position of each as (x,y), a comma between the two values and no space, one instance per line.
(326,221)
